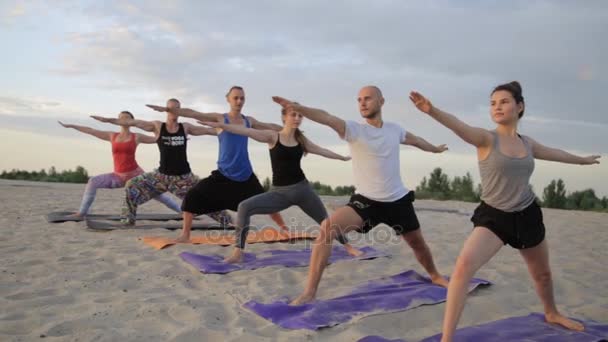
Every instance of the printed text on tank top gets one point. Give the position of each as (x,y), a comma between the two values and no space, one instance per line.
(173,140)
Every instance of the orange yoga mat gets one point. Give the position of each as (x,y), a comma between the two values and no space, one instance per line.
(263,235)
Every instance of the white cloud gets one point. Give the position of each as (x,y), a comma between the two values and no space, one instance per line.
(27,106)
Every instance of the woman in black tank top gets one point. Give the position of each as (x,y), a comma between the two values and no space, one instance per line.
(285,162)
(290,186)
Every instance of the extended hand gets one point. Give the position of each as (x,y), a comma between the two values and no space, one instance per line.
(64,125)
(283,102)
(590,160)
(158,108)
(422,103)
(346,158)
(100,118)
(442,148)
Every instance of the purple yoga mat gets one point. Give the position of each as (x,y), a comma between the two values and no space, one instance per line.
(400,292)
(375,338)
(524,328)
(288,258)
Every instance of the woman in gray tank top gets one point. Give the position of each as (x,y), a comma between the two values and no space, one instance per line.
(508,212)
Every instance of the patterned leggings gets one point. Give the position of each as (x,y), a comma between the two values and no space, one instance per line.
(144,187)
(115,180)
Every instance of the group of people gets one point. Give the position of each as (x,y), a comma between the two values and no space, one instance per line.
(508,213)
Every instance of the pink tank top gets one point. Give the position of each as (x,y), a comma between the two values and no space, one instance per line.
(124,154)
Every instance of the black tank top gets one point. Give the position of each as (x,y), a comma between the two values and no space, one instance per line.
(172,147)
(285,161)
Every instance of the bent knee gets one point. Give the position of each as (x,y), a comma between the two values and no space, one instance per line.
(327,232)
(129,183)
(245,207)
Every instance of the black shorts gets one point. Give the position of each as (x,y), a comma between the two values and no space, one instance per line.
(399,215)
(520,229)
(218,192)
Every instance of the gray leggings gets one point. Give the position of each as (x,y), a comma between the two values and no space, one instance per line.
(276,199)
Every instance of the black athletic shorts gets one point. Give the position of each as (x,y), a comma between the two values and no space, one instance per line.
(399,215)
(520,229)
(218,192)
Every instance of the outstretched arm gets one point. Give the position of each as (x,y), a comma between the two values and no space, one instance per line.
(414,140)
(198,130)
(553,154)
(149,126)
(475,136)
(265,136)
(145,139)
(264,125)
(313,148)
(317,115)
(189,113)
(103,135)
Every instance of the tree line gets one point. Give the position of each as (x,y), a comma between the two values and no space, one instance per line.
(437,186)
(79,175)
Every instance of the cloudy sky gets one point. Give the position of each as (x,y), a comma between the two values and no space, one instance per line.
(66,60)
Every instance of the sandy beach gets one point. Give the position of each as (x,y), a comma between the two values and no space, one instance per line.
(62,282)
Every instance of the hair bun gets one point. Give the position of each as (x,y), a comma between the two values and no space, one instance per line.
(516,85)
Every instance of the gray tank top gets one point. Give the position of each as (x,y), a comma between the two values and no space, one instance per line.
(505,181)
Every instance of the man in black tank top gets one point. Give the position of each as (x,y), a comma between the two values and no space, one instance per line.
(172,148)
(174,174)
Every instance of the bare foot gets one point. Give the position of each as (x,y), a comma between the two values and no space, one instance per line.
(352,250)
(557,318)
(303,299)
(77,216)
(182,239)
(439,280)
(237,256)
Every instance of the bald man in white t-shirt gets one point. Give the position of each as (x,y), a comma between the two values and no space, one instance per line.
(381,196)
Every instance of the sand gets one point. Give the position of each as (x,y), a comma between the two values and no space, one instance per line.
(62,282)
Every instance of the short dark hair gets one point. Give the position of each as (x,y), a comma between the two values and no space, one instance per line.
(174,100)
(128,113)
(232,88)
(515,89)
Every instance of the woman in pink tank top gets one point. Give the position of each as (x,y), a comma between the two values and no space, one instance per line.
(124,145)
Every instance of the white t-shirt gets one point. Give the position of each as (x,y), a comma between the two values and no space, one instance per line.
(375,158)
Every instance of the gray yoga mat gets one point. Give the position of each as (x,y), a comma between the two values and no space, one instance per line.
(115,225)
(64,216)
